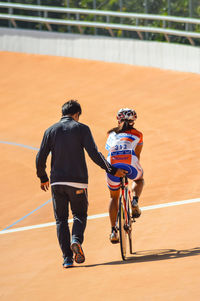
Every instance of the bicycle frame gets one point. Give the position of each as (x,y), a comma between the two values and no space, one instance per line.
(124,185)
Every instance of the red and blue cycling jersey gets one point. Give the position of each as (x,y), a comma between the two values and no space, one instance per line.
(122,146)
(121,154)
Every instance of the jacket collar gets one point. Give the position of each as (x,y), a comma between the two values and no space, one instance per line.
(66,117)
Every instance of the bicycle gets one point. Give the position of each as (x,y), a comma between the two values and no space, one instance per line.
(125,220)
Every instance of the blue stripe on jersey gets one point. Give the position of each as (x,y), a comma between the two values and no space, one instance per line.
(127,136)
(132,171)
(107,146)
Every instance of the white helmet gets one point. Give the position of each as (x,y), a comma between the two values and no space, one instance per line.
(126,114)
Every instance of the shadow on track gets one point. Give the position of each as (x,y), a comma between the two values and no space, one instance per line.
(153,255)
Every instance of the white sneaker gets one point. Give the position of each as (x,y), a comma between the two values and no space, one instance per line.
(114,237)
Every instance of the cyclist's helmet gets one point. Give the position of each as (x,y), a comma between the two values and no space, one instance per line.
(126,114)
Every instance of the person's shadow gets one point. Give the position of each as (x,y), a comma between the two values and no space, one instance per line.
(152,255)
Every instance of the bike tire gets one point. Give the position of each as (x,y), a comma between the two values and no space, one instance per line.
(129,221)
(130,236)
(122,232)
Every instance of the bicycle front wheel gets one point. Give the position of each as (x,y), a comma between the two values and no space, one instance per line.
(130,227)
(122,232)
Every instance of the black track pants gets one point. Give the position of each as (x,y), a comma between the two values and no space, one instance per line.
(62,195)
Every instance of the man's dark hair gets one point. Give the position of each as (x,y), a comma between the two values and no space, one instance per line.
(71,107)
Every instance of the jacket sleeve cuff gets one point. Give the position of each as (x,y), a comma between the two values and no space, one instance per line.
(112,170)
(44,179)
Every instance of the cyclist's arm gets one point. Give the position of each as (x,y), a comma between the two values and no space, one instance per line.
(138,150)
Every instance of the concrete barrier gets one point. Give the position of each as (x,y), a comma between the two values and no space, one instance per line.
(135,52)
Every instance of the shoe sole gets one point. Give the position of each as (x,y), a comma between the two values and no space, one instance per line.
(78,251)
(114,241)
(68,266)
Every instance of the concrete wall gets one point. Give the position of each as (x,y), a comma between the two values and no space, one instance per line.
(134,52)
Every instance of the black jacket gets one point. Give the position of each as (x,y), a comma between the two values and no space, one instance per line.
(66,140)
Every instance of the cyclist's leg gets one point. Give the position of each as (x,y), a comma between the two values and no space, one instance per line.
(113,206)
(138,182)
(114,188)
(137,187)
(113,212)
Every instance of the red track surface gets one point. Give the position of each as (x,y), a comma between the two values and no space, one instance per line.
(166,263)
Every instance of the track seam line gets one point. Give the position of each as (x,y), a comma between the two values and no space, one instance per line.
(146,208)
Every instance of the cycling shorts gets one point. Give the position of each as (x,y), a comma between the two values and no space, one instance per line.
(134,173)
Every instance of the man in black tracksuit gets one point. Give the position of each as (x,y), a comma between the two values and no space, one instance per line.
(66,140)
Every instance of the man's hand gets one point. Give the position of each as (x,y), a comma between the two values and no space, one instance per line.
(44,186)
(120,173)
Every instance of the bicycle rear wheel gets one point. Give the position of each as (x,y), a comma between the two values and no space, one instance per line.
(122,232)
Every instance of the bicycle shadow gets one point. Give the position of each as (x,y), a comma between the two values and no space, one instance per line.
(153,255)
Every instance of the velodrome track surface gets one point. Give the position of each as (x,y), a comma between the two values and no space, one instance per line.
(166,262)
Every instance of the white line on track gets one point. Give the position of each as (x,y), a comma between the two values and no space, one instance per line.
(103,215)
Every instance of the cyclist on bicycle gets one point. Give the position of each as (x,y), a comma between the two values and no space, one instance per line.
(124,144)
